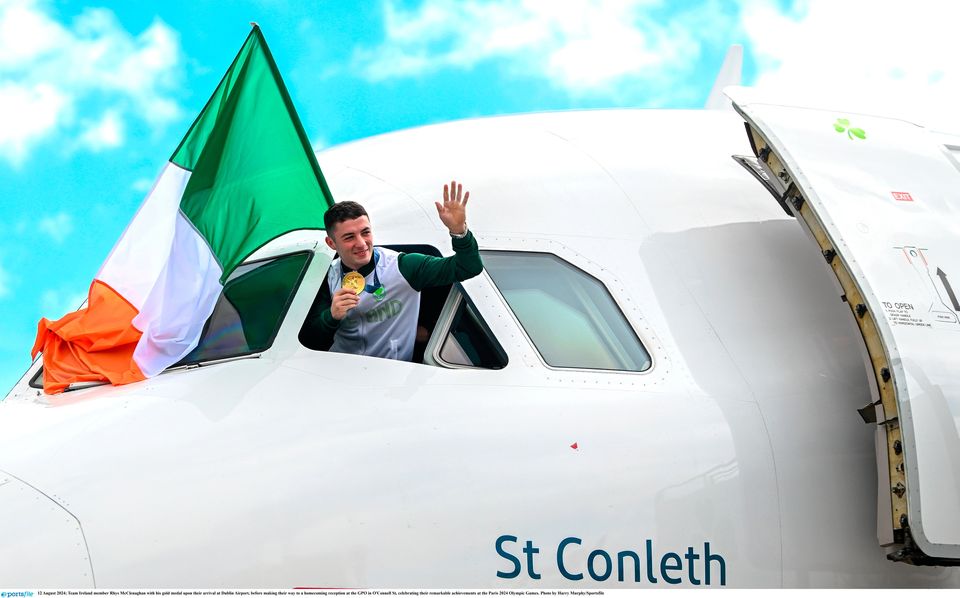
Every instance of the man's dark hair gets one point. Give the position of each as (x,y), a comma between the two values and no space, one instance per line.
(340,212)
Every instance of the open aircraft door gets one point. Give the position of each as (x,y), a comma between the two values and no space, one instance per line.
(881,199)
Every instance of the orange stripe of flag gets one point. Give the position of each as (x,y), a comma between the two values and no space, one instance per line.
(91,344)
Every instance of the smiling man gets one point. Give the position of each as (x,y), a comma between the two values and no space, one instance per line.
(375,299)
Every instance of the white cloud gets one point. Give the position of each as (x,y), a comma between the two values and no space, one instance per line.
(56,303)
(142,185)
(105,133)
(881,56)
(27,112)
(26,33)
(894,58)
(58,226)
(51,71)
(583,46)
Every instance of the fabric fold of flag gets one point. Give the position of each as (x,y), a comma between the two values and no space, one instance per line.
(243,175)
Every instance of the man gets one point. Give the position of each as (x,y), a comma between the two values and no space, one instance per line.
(375,291)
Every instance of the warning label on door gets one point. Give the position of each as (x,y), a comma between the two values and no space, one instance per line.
(932,302)
(903,314)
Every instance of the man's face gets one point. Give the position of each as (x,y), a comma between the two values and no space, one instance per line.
(353,240)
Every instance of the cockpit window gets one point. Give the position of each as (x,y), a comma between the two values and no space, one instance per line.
(569,315)
(462,338)
(251,308)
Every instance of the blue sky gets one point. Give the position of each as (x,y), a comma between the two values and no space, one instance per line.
(94,97)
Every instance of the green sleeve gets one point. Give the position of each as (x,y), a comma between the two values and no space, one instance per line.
(320,326)
(423,271)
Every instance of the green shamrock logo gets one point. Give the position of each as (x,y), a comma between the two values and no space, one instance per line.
(843,124)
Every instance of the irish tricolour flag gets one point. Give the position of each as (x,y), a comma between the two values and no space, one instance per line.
(244,174)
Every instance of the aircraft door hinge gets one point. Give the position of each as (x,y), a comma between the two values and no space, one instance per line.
(900,490)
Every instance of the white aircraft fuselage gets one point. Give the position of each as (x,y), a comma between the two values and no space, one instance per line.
(737,459)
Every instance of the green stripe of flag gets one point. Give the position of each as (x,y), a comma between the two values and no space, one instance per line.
(254,175)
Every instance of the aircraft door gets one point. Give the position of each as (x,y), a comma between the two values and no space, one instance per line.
(880,198)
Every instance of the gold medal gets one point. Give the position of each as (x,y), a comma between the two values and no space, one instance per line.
(354,281)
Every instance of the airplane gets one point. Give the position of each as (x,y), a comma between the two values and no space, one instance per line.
(654,383)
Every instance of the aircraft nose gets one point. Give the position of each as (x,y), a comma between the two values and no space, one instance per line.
(42,544)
